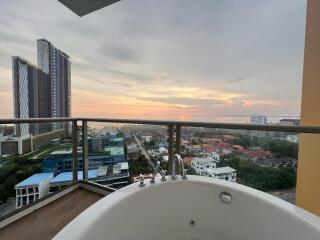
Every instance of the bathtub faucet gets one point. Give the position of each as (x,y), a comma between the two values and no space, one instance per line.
(177,158)
(141,181)
(155,171)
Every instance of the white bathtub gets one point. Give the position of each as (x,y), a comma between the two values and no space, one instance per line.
(192,209)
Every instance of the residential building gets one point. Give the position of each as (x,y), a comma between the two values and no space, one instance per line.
(163,150)
(147,138)
(208,167)
(30,86)
(132,148)
(32,188)
(215,156)
(57,65)
(6,130)
(256,154)
(290,122)
(224,173)
(201,164)
(133,152)
(258,119)
(12,146)
(43,91)
(293,138)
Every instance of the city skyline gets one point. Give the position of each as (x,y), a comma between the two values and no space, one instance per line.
(125,66)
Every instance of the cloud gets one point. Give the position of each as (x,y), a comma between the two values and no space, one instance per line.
(152,56)
(237,80)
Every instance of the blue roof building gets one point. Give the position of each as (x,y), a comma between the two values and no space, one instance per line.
(67,177)
(35,180)
(61,161)
(32,188)
(118,177)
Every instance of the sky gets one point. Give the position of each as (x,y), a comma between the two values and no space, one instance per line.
(171,59)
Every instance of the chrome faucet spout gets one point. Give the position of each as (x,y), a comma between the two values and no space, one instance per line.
(141,181)
(178,158)
(155,171)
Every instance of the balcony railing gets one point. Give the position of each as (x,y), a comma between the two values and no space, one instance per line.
(174,132)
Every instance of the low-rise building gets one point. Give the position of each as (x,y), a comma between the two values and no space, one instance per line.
(116,176)
(224,173)
(292,138)
(200,164)
(163,150)
(256,154)
(215,156)
(32,188)
(290,122)
(258,119)
(208,167)
(147,138)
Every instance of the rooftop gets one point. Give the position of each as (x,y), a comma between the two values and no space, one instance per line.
(118,139)
(203,159)
(67,176)
(221,170)
(114,150)
(35,179)
(65,151)
(124,165)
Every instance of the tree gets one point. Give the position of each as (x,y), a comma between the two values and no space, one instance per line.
(262,178)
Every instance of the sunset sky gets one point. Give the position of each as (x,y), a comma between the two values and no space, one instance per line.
(170,59)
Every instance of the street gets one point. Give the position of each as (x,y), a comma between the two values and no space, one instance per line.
(143,151)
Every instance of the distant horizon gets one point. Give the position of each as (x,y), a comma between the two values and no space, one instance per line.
(215,61)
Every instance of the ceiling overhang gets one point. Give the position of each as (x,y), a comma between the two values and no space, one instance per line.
(84,7)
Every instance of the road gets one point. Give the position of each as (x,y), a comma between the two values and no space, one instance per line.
(143,151)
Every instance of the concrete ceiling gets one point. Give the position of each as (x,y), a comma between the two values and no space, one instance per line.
(84,7)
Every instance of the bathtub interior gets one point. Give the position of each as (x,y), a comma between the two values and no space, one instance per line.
(193,210)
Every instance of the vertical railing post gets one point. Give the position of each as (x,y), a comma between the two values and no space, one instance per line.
(178,139)
(75,150)
(85,150)
(170,147)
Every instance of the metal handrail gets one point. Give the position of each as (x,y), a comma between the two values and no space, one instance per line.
(174,133)
(265,127)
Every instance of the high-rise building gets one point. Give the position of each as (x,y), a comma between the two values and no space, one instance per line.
(56,64)
(43,91)
(26,79)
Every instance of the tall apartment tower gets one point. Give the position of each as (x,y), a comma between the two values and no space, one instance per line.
(43,91)
(56,64)
(26,78)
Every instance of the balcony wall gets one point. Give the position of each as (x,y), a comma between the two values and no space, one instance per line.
(308,191)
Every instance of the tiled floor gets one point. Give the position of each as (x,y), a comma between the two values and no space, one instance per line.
(46,222)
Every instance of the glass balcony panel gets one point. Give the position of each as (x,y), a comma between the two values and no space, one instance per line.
(29,161)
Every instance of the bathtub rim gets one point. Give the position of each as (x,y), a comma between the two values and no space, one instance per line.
(102,206)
